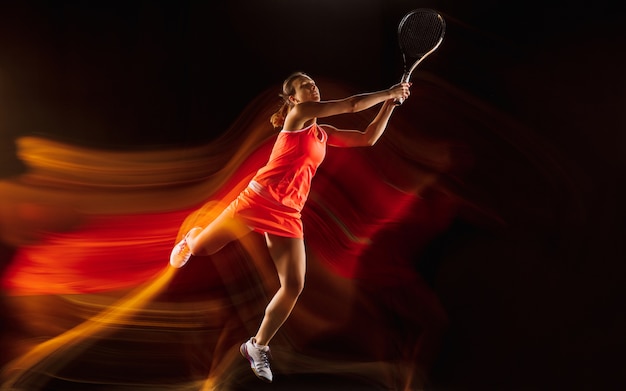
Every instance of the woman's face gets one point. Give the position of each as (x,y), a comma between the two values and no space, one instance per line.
(305,90)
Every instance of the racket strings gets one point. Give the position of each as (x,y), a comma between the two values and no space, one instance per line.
(419,33)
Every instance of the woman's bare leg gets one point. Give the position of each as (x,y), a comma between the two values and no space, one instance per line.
(221,231)
(290,259)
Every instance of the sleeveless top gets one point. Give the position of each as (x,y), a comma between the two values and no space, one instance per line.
(295,157)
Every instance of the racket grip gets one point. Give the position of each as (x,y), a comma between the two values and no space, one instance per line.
(405,79)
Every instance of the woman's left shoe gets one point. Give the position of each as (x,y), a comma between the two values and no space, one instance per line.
(181,252)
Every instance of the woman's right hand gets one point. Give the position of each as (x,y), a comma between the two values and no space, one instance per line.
(400,91)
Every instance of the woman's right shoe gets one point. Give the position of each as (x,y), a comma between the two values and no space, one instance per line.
(181,252)
(258,356)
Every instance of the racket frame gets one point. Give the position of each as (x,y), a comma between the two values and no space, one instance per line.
(406,76)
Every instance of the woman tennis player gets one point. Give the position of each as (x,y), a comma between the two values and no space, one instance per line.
(272,202)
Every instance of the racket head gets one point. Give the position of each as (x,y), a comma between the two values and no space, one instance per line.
(420,32)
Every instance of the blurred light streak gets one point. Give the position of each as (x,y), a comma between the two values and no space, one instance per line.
(56,352)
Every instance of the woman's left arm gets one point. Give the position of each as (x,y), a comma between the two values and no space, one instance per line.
(355,138)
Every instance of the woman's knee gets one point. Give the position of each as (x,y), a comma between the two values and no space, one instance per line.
(293,286)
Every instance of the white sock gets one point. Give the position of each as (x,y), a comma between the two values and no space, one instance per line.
(258,345)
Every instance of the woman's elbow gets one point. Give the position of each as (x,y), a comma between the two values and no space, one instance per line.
(354,107)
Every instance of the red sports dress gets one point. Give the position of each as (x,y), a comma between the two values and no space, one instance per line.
(274,199)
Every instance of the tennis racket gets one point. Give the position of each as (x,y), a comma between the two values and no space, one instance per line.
(420,32)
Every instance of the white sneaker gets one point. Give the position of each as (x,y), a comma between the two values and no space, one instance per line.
(181,252)
(259,359)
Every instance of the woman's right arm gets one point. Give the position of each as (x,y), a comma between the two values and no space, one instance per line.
(352,104)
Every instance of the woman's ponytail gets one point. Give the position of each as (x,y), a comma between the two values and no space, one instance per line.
(278,118)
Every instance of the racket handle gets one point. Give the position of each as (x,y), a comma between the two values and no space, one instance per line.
(405,79)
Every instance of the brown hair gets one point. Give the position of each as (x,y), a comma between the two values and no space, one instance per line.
(278,118)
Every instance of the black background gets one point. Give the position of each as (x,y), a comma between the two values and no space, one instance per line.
(142,73)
